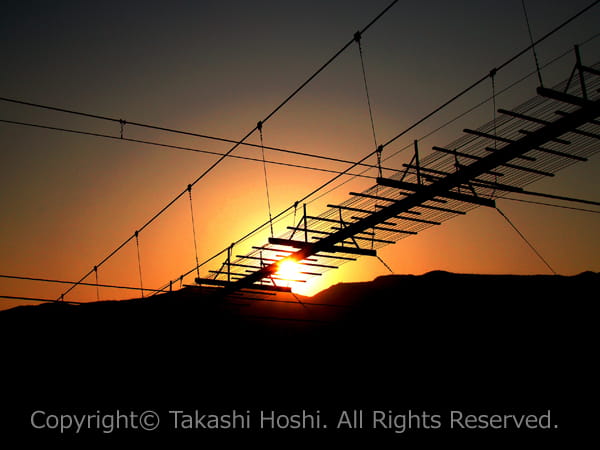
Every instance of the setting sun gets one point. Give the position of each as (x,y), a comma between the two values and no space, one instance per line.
(289,270)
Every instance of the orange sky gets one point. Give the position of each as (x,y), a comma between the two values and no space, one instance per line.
(68,200)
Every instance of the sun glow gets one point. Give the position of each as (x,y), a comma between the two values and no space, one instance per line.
(290,270)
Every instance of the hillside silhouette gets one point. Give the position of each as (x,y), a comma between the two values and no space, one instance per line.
(438,341)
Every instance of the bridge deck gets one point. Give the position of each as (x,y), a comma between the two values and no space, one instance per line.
(551,131)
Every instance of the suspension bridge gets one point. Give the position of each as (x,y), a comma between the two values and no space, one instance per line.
(556,128)
(553,130)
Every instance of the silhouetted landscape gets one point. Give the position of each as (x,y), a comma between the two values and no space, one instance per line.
(436,341)
(218,159)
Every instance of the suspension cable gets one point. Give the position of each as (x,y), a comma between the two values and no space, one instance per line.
(259,126)
(532,202)
(50,280)
(137,243)
(193,149)
(539,255)
(35,299)
(97,284)
(357,38)
(385,264)
(537,65)
(493,78)
(197,150)
(194,229)
(295,209)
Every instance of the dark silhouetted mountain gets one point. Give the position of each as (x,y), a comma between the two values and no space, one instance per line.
(438,341)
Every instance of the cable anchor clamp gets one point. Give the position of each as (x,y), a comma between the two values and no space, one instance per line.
(122,122)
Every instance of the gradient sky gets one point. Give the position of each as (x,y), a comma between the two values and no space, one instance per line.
(219,67)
